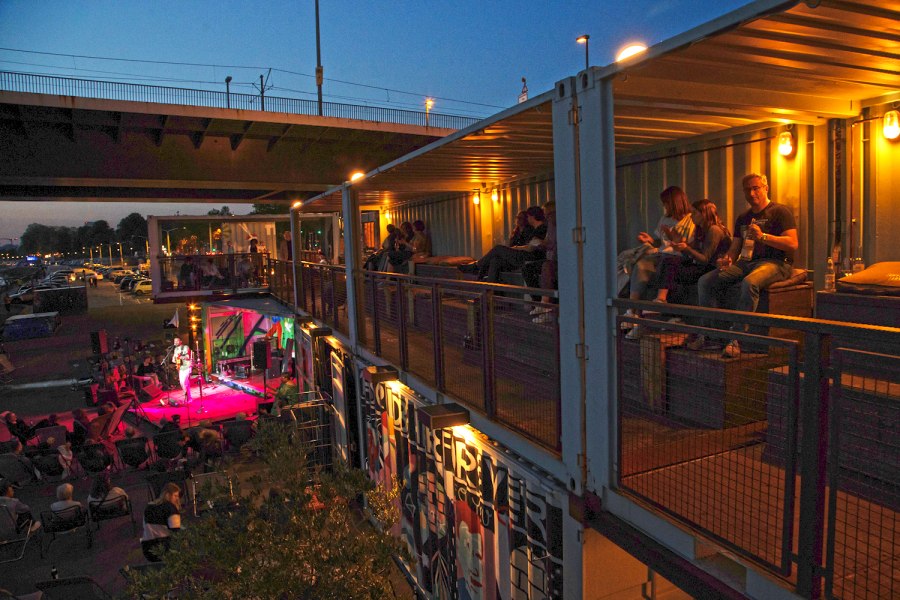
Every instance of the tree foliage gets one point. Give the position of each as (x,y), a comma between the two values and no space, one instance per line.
(132,229)
(224,211)
(270,209)
(295,532)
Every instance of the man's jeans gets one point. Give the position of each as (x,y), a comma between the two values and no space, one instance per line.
(753,277)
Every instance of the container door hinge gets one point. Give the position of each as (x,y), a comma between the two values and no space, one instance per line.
(574,114)
(578,235)
(581,351)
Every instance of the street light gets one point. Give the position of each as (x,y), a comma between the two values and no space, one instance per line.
(169,241)
(121,258)
(429,102)
(228,92)
(585,39)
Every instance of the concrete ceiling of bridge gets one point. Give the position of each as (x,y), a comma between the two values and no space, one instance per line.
(65,148)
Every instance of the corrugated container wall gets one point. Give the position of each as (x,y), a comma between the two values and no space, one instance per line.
(457,225)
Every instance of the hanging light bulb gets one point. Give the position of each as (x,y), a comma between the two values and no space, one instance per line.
(495,195)
(891,128)
(785,143)
(476,198)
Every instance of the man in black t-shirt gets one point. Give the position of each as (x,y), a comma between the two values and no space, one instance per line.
(761,253)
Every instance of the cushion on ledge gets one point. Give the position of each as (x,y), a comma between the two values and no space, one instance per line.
(881,279)
(448,261)
(797,277)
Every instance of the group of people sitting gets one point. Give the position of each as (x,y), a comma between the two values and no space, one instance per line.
(403,244)
(691,247)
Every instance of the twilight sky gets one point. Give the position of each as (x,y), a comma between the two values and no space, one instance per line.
(470,55)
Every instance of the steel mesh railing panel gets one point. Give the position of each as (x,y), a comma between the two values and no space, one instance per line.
(708,440)
(462,345)
(526,369)
(863,555)
(281,283)
(386,304)
(420,326)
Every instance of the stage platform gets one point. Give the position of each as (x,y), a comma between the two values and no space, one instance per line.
(220,403)
(254,384)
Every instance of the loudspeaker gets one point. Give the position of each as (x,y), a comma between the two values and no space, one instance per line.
(149,392)
(99,343)
(262,355)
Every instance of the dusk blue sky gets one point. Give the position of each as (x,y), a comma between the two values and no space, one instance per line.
(469,55)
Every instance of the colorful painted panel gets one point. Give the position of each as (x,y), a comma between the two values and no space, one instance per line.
(478,523)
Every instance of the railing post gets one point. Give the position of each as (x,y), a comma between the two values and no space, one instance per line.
(401,326)
(812,447)
(437,322)
(376,328)
(487,350)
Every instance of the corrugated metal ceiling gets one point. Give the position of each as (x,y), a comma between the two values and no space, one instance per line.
(769,62)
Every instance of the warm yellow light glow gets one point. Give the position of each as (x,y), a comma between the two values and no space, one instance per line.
(582,39)
(395,386)
(192,306)
(297,204)
(785,143)
(495,195)
(629,51)
(465,432)
(429,102)
(357,175)
(476,198)
(891,127)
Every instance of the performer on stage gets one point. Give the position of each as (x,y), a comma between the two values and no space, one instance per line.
(181,358)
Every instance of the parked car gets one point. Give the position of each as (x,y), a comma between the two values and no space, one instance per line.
(144,287)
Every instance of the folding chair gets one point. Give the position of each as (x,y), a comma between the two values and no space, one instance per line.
(133,452)
(55,432)
(48,465)
(13,469)
(211,491)
(67,588)
(94,458)
(237,433)
(113,508)
(10,535)
(65,521)
(168,446)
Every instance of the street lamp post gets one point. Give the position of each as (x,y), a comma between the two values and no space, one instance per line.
(121,257)
(169,241)
(428,104)
(228,92)
(585,39)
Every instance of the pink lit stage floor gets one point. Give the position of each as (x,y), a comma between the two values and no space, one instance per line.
(220,402)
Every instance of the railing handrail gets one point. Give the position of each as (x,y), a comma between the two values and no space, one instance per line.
(17,81)
(465,284)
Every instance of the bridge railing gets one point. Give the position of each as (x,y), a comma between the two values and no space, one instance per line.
(11,81)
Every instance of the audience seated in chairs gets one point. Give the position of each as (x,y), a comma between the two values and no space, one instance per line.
(48,464)
(16,467)
(19,428)
(107,501)
(133,451)
(67,460)
(238,432)
(162,517)
(208,443)
(65,521)
(64,493)
(170,447)
(94,458)
(20,511)
(81,424)
(13,533)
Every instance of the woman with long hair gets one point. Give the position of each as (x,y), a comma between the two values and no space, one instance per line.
(523,232)
(162,517)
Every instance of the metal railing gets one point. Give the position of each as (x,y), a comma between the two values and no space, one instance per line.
(132,92)
(786,454)
(473,341)
(281,281)
(323,294)
(214,272)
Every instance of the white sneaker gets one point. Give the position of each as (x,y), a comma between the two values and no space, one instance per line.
(732,349)
(626,325)
(634,334)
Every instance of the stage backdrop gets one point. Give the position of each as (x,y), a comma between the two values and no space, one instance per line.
(479,522)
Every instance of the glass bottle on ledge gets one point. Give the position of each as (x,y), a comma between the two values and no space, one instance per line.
(829,275)
(858,265)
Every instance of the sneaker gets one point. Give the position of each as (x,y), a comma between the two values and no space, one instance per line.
(626,325)
(732,349)
(695,342)
(546,317)
(634,334)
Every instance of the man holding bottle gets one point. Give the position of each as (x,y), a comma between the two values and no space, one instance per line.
(761,253)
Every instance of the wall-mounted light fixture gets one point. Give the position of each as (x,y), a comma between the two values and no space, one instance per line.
(785,143)
(630,50)
(380,374)
(476,198)
(441,416)
(891,126)
(495,195)
(356,175)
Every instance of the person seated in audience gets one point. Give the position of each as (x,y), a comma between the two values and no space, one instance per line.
(543,273)
(148,369)
(20,511)
(522,232)
(511,258)
(162,518)
(285,395)
(19,428)
(64,499)
(711,241)
(166,425)
(210,274)
(81,427)
(102,490)
(18,454)
(66,458)
(421,242)
(403,250)
(208,444)
(51,420)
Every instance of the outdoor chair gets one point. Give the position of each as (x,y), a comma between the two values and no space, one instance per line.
(133,452)
(66,521)
(237,433)
(114,508)
(67,588)
(48,465)
(210,491)
(10,535)
(13,469)
(169,447)
(94,458)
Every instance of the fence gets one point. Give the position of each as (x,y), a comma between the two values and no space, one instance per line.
(474,341)
(132,92)
(323,294)
(281,281)
(786,454)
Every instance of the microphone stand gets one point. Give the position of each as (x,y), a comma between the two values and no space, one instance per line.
(200,410)
(165,366)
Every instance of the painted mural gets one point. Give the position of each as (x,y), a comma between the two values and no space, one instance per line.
(478,524)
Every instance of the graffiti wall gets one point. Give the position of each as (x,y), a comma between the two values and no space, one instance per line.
(478,524)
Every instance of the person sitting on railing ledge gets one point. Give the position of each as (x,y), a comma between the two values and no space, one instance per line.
(506,258)
(761,253)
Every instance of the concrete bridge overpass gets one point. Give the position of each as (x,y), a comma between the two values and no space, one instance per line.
(84,140)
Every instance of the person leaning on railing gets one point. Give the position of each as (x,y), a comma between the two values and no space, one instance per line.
(511,258)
